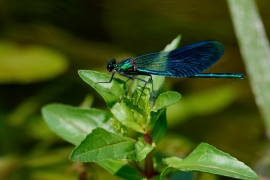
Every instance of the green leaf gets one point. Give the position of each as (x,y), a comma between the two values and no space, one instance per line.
(121,169)
(111,92)
(160,128)
(206,158)
(125,114)
(102,145)
(166,99)
(119,127)
(141,98)
(154,116)
(142,149)
(73,124)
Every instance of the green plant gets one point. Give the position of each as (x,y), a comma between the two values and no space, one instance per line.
(103,137)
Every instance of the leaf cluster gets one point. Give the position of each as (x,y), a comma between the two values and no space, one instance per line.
(103,137)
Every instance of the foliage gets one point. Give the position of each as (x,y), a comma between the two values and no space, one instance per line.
(109,144)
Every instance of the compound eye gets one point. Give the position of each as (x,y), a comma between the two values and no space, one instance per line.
(110,65)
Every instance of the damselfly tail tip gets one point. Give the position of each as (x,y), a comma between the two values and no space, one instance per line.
(241,76)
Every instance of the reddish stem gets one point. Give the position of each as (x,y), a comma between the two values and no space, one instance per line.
(149,163)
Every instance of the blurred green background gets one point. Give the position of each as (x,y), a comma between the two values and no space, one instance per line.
(44,43)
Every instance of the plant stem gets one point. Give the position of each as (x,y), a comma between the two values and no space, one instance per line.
(149,163)
(149,166)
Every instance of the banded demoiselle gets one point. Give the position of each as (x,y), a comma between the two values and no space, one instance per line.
(188,61)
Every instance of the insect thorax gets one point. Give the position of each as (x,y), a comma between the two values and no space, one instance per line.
(128,65)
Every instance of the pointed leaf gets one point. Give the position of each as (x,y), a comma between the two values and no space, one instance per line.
(119,127)
(141,98)
(111,92)
(166,99)
(125,115)
(206,158)
(102,145)
(160,128)
(142,149)
(73,124)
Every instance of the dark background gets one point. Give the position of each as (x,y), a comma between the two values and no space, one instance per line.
(44,43)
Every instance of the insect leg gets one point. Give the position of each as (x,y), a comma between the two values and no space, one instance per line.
(151,80)
(109,80)
(146,82)
(132,78)
(126,88)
